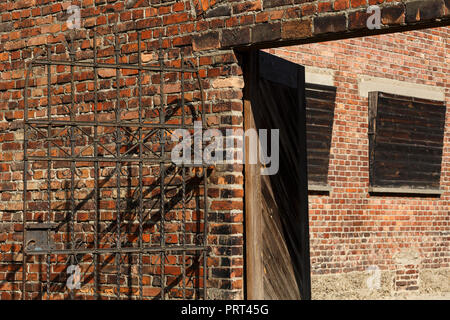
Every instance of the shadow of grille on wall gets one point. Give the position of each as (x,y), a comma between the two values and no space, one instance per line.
(107,214)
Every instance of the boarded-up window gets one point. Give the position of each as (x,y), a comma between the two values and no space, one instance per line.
(405,142)
(320,101)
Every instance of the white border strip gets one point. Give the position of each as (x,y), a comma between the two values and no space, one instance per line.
(367,84)
(321,76)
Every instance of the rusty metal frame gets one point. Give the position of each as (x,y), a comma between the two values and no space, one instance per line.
(33,124)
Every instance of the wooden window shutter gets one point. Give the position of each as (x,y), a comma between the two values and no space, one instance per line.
(405,142)
(320,102)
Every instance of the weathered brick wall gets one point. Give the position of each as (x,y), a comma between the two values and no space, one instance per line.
(205,31)
(275,22)
(350,229)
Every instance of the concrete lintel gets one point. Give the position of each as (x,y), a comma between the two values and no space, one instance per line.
(321,76)
(367,84)
(321,188)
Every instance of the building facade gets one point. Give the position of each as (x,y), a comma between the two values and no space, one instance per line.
(354,233)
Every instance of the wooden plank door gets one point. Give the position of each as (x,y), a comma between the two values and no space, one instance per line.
(276,206)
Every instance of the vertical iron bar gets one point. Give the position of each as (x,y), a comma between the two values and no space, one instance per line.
(72,166)
(96,191)
(25,172)
(49,127)
(183,181)
(140,167)
(205,231)
(183,228)
(205,182)
(182,90)
(202,101)
(118,163)
(161,168)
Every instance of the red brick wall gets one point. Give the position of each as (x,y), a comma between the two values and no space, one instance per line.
(350,229)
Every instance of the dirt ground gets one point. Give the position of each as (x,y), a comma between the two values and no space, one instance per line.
(433,284)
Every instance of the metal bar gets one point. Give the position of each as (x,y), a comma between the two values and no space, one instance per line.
(49,163)
(151,133)
(101,159)
(182,92)
(205,231)
(183,227)
(183,181)
(25,172)
(41,226)
(50,140)
(118,163)
(140,169)
(96,190)
(63,123)
(72,165)
(112,66)
(161,166)
(116,250)
(202,102)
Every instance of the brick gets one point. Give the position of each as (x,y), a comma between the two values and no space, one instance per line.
(14,45)
(206,41)
(221,272)
(412,288)
(148,23)
(235,37)
(393,15)
(247,6)
(175,18)
(308,9)
(182,41)
(201,6)
(232,82)
(341,4)
(36,41)
(324,6)
(276,3)
(424,10)
(220,11)
(358,20)
(261,17)
(179,6)
(246,20)
(4,56)
(296,29)
(6,26)
(226,205)
(330,24)
(292,13)
(106,73)
(358,3)
(24,4)
(266,32)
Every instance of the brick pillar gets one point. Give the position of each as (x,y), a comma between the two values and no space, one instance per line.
(407,277)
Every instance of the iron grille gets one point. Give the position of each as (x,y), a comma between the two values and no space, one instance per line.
(106,212)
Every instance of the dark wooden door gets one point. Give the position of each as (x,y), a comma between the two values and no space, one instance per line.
(277,232)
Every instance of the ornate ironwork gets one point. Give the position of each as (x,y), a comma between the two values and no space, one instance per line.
(100,137)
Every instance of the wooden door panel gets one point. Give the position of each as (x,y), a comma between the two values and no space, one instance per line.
(276,205)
